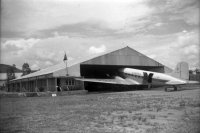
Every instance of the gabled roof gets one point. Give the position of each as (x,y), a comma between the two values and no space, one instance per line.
(86,60)
(45,71)
(62,65)
(124,56)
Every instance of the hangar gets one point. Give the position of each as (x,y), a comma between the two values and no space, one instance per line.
(99,67)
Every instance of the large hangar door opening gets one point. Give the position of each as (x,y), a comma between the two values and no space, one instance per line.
(108,71)
(99,71)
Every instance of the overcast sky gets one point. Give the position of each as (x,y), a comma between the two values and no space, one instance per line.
(39,31)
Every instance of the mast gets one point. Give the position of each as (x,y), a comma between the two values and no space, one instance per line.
(65,61)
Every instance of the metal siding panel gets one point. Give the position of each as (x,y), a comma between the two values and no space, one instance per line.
(74,70)
(125,56)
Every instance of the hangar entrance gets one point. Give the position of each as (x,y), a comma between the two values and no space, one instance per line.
(108,72)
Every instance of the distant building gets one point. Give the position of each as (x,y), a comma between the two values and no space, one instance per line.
(98,66)
(194,75)
(3,73)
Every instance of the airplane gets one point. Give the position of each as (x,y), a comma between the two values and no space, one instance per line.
(131,76)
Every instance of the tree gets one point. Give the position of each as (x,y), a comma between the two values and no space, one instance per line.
(14,66)
(190,71)
(25,69)
(197,71)
(10,73)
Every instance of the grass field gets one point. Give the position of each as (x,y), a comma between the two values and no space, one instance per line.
(153,111)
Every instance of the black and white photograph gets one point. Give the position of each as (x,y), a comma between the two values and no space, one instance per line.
(100,66)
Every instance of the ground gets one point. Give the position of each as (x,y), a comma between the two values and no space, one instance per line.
(152,111)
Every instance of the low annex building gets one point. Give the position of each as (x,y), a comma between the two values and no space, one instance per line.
(98,66)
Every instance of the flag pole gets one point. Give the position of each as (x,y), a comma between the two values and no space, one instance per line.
(66,69)
(65,60)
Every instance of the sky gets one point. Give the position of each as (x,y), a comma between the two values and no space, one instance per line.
(40,32)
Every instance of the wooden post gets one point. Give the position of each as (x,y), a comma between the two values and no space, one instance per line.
(47,84)
(28,85)
(20,85)
(55,83)
(13,86)
(36,88)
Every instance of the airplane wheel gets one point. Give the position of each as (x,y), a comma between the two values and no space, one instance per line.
(175,88)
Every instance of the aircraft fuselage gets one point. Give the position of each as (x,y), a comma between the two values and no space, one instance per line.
(146,77)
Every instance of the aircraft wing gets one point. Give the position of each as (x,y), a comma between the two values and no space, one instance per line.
(181,83)
(109,81)
(192,82)
(175,83)
(116,80)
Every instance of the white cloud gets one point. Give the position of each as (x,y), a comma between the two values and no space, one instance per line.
(188,10)
(113,14)
(158,24)
(97,50)
(34,67)
(124,17)
(44,54)
(184,31)
(21,44)
(191,16)
(48,63)
(56,34)
(167,49)
(184,48)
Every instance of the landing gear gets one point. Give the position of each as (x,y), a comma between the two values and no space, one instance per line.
(149,86)
(175,88)
(171,88)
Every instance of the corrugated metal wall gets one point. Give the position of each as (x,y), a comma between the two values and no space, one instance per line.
(125,56)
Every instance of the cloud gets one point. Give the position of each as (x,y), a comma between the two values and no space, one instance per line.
(48,63)
(168,49)
(84,29)
(177,10)
(50,50)
(158,24)
(32,33)
(10,48)
(184,47)
(17,48)
(22,44)
(97,50)
(22,17)
(190,15)
(34,67)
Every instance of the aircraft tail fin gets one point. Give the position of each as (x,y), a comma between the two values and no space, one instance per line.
(181,71)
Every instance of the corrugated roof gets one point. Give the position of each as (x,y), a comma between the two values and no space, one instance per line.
(62,65)
(70,63)
(45,71)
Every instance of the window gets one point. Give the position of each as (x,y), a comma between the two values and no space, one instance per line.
(70,82)
(67,82)
(73,82)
